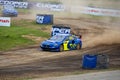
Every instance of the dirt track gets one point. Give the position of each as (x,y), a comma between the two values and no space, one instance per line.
(32,62)
(107,75)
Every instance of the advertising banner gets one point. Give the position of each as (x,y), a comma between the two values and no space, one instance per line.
(51,7)
(101,12)
(60,29)
(44,19)
(15,4)
(96,11)
(5,21)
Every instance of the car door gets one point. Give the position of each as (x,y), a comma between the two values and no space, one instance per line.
(71,43)
(65,43)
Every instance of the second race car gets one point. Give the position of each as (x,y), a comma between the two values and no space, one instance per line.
(8,11)
(62,42)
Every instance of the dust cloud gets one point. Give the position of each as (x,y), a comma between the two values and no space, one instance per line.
(111,34)
(71,7)
(107,4)
(108,37)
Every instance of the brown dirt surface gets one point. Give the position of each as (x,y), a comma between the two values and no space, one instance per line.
(27,63)
(32,63)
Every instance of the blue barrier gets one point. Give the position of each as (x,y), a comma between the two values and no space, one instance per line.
(98,61)
(44,19)
(89,61)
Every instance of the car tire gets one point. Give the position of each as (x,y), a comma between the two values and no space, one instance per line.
(61,48)
(78,47)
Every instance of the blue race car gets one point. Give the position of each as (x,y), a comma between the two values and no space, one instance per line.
(62,42)
(9,10)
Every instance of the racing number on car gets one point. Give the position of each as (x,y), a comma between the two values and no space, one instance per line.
(66,45)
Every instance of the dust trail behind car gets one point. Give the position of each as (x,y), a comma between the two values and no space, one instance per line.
(96,30)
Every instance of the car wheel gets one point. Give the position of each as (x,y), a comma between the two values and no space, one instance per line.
(78,47)
(61,48)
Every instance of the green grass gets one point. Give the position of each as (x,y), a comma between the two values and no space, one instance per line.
(11,37)
(24,11)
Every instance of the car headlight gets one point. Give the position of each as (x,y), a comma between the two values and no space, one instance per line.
(41,44)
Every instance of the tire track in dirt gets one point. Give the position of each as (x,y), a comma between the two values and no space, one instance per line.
(67,61)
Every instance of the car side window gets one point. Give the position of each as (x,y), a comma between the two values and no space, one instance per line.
(67,39)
